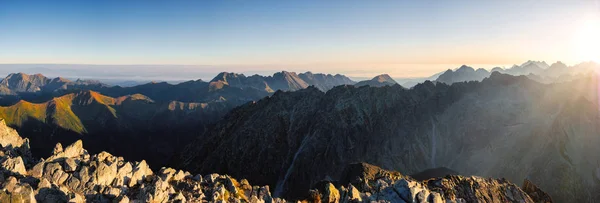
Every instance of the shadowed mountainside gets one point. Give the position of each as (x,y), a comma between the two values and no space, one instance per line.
(113,124)
(507,126)
(71,174)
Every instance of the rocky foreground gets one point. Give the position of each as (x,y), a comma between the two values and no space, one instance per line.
(70,174)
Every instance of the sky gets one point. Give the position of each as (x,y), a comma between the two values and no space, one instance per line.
(357,38)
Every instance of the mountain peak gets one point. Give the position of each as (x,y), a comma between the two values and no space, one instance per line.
(378,81)
(21,82)
(225,76)
(383,78)
(465,68)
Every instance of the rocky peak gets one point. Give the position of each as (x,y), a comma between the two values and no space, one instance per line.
(21,82)
(226,76)
(324,82)
(463,74)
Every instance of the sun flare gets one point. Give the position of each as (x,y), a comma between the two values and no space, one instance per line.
(587,40)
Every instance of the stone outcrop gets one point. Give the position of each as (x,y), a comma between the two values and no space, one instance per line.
(378,185)
(74,175)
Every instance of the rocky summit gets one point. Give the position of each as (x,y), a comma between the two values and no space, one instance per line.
(71,174)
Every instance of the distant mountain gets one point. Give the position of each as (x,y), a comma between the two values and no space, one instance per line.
(23,83)
(113,123)
(507,126)
(537,70)
(463,74)
(557,69)
(325,82)
(378,81)
(190,91)
(38,88)
(112,115)
(285,81)
(411,82)
(236,88)
(529,67)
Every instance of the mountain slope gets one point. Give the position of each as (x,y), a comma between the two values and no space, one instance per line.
(72,174)
(378,81)
(502,125)
(111,123)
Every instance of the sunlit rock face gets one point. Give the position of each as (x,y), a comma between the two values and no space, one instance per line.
(504,126)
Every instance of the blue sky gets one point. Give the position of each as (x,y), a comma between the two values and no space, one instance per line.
(404,38)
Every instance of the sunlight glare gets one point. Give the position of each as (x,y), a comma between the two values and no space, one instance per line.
(587,40)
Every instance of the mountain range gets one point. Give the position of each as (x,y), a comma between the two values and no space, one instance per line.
(536,70)
(161,117)
(296,132)
(72,174)
(505,126)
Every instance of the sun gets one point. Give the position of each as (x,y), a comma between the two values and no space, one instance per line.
(587,40)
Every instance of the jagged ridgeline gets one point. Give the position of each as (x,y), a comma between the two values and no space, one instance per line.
(71,174)
(159,118)
(504,126)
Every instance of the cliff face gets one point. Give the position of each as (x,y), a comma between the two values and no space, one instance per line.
(504,126)
(71,174)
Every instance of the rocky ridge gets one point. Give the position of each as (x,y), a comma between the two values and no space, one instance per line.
(506,126)
(71,174)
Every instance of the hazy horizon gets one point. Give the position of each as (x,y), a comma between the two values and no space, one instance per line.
(177,73)
(359,39)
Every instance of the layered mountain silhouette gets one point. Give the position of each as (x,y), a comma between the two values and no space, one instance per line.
(235,88)
(161,117)
(285,81)
(536,70)
(504,126)
(463,74)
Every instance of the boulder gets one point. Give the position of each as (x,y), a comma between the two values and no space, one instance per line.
(14,165)
(9,136)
